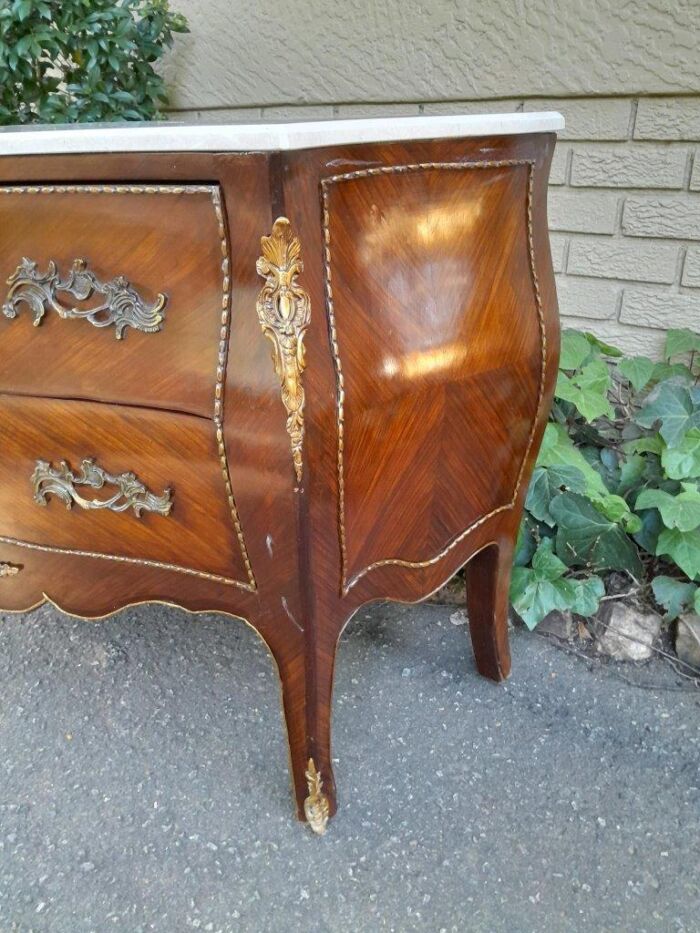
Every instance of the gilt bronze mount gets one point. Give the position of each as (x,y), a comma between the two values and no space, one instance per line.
(122,305)
(62,482)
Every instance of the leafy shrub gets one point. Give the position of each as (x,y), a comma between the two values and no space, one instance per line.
(69,61)
(617,481)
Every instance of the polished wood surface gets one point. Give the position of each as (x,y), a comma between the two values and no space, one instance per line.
(163,240)
(429,353)
(430,363)
(176,452)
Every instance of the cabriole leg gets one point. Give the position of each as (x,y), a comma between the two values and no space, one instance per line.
(306,690)
(320,803)
(488,581)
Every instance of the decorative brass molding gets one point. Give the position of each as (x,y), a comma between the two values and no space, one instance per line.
(316,806)
(9,570)
(131,493)
(284,311)
(122,305)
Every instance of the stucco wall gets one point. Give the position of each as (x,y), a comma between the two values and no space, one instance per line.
(625,195)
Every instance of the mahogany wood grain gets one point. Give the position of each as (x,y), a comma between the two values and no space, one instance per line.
(433,332)
(164,451)
(162,242)
(435,339)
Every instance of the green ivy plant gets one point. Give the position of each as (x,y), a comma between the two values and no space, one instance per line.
(616,485)
(78,61)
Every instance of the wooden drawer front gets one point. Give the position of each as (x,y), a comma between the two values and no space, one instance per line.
(193,527)
(155,252)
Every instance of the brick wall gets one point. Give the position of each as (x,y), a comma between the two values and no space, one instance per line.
(624,212)
(624,205)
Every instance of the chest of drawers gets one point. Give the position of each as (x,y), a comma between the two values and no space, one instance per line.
(276,372)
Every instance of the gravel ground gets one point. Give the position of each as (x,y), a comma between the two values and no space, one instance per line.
(144,784)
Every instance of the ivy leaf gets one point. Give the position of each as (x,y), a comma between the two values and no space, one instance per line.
(545,562)
(526,544)
(683,460)
(536,591)
(670,370)
(604,461)
(638,369)
(575,350)
(533,599)
(548,482)
(680,341)
(641,445)
(585,537)
(673,407)
(605,348)
(587,596)
(648,535)
(617,510)
(558,450)
(673,595)
(587,390)
(683,547)
(681,511)
(631,473)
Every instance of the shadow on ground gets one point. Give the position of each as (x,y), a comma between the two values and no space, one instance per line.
(144,784)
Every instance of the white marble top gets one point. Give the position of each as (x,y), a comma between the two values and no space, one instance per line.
(248,137)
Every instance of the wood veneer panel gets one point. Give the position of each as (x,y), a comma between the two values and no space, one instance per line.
(438,345)
(163,450)
(163,239)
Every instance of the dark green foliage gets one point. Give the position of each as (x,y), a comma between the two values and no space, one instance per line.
(81,61)
(617,481)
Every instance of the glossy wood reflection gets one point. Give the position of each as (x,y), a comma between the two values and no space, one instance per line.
(436,338)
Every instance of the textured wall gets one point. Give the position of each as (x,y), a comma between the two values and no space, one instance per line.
(625,195)
(624,211)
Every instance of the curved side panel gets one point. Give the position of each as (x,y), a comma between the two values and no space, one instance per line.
(438,338)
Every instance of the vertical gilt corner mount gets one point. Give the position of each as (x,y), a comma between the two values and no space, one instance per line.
(284,312)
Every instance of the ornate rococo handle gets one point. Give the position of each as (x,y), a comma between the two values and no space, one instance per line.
(9,570)
(122,304)
(130,494)
(284,312)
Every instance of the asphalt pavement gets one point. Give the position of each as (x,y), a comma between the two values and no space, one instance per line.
(144,787)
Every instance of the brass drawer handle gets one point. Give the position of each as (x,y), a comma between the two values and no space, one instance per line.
(9,570)
(131,493)
(122,305)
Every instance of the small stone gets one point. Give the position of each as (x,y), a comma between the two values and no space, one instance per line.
(87,866)
(688,639)
(559,624)
(453,593)
(459,617)
(625,632)
(617,583)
